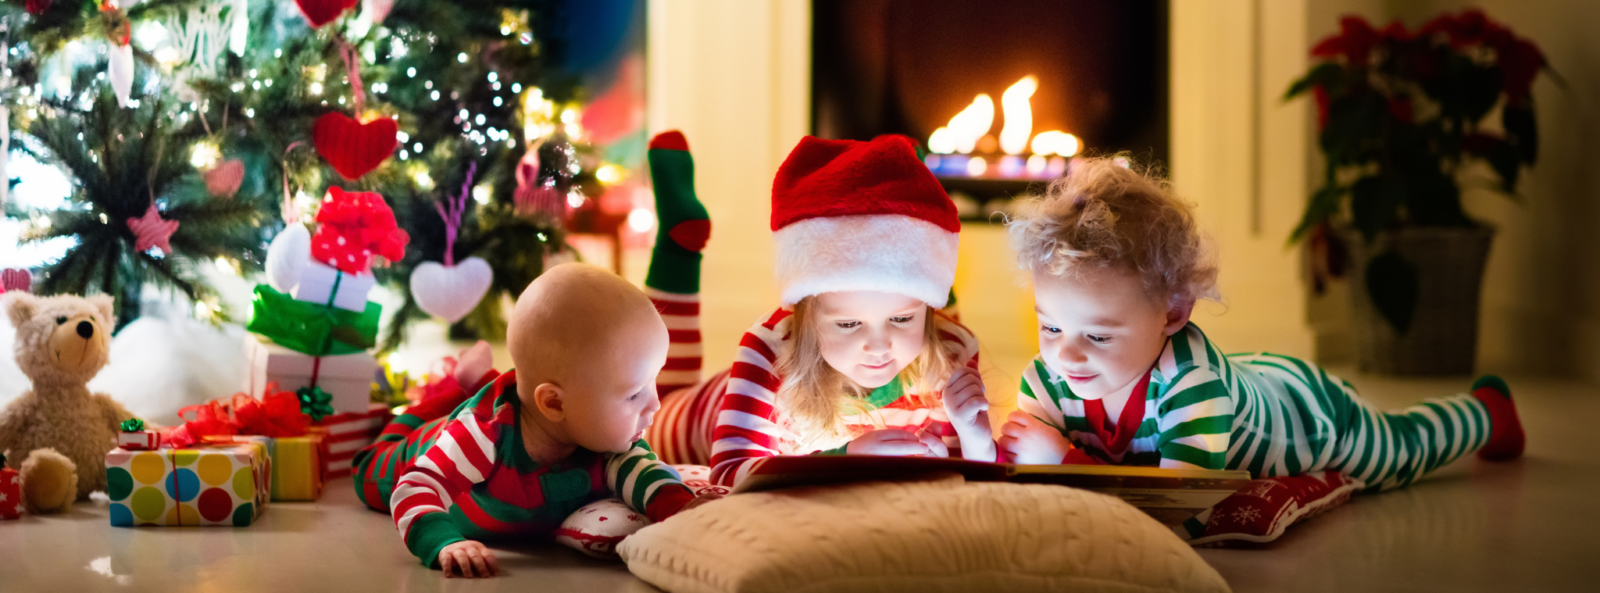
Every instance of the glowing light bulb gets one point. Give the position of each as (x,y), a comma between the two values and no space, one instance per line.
(204,155)
(641,220)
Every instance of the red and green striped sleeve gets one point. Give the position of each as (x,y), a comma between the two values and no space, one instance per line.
(645,483)
(463,455)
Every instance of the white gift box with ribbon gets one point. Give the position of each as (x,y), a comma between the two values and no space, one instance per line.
(318,281)
(346,377)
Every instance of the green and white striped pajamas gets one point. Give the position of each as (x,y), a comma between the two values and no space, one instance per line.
(1269,414)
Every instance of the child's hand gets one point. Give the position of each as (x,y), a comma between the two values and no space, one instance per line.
(936,446)
(1028,440)
(470,558)
(968,410)
(890,441)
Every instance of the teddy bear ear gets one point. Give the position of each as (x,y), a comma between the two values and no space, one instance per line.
(20,306)
(103,302)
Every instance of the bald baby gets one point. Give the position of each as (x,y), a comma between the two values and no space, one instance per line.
(587,346)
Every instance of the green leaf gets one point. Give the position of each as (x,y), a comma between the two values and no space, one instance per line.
(1392,286)
(1351,120)
(1323,204)
(1503,158)
(1523,131)
(1480,87)
(1375,203)
(1324,75)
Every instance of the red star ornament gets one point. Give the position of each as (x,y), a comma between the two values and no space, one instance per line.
(151,230)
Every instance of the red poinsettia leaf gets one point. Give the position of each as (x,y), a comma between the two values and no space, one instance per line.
(1520,62)
(1329,47)
(1396,31)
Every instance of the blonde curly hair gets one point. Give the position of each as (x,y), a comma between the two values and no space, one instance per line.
(1106,213)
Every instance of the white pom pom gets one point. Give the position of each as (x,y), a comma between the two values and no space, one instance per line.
(287,257)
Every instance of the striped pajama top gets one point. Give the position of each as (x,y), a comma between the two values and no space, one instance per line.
(470,477)
(749,423)
(1204,410)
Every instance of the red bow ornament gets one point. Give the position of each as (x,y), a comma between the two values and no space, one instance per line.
(352,228)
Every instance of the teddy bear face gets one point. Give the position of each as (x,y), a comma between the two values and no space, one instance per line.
(61,339)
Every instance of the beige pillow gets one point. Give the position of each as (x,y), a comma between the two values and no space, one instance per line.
(938,535)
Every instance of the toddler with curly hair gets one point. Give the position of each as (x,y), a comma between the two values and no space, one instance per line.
(1123,377)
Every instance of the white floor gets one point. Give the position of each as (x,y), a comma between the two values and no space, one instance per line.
(1523,526)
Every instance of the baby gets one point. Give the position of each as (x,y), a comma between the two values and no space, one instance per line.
(560,431)
(1123,377)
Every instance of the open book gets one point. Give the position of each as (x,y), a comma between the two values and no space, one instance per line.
(1171,496)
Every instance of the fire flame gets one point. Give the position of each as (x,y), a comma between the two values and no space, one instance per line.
(1019,117)
(965,128)
(970,126)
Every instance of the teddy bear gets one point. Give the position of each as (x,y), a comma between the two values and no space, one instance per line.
(60,430)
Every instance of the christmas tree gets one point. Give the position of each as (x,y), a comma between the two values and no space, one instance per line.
(238,115)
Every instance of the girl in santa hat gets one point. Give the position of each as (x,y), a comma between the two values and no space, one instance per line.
(858,355)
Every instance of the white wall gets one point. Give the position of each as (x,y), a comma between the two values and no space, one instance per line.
(1238,153)
(734,76)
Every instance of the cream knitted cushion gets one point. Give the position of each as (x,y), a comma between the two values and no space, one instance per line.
(937,535)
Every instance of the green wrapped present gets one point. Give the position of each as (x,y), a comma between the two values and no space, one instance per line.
(310,328)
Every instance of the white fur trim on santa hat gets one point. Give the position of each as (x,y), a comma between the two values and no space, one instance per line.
(879,252)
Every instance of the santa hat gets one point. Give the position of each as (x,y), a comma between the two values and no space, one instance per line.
(849,215)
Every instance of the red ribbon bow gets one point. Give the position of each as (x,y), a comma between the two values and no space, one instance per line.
(276,415)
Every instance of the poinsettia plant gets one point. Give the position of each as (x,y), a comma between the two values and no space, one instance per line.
(1400,112)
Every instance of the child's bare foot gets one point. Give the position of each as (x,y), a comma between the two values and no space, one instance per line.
(1506,438)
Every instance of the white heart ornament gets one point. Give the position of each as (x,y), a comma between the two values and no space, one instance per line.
(451,292)
(287,257)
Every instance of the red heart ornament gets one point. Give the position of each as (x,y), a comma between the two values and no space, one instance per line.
(353,148)
(322,12)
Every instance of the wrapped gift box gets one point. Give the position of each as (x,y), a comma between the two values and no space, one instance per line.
(225,484)
(299,464)
(319,281)
(138,440)
(10,492)
(347,377)
(348,433)
(299,467)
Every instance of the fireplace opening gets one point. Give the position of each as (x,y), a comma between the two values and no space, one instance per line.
(1002,94)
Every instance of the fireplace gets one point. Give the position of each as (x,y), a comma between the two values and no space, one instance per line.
(1002,94)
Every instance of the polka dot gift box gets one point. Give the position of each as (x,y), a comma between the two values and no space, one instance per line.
(216,485)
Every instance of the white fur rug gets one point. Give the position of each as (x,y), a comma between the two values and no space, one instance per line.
(159,363)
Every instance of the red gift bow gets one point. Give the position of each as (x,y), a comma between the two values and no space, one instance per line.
(353,227)
(276,415)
